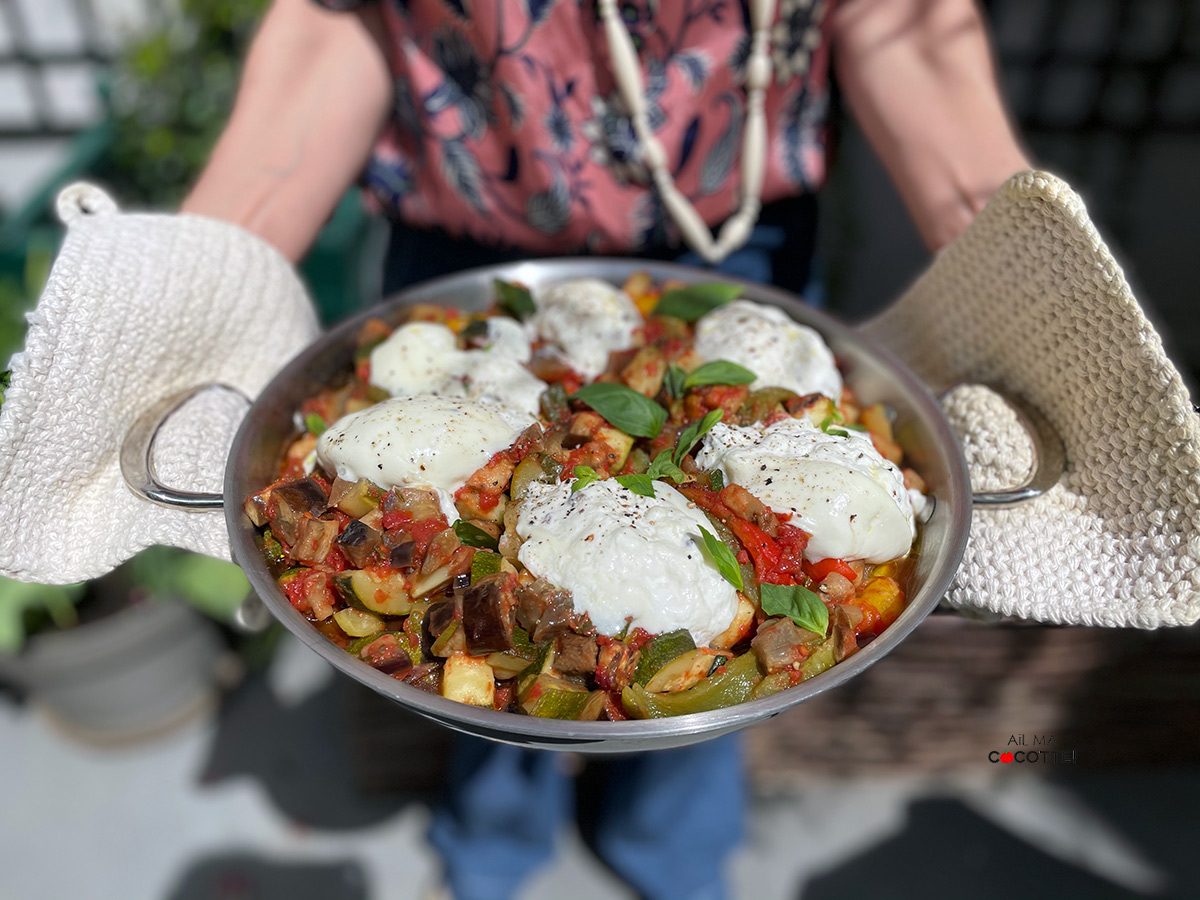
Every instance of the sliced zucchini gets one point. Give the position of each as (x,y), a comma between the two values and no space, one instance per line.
(357,622)
(386,595)
(660,651)
(683,671)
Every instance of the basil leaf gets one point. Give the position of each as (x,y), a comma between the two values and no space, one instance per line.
(639,484)
(584,475)
(716,480)
(663,467)
(802,606)
(673,381)
(5,381)
(693,433)
(315,424)
(514,299)
(837,432)
(722,557)
(624,407)
(474,536)
(691,302)
(719,371)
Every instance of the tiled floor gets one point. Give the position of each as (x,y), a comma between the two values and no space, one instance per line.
(263,804)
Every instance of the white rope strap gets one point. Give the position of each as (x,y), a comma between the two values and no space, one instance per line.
(627,73)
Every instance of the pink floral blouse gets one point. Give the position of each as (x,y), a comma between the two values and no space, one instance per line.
(508,127)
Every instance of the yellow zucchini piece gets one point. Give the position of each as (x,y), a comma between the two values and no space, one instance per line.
(468,679)
(357,622)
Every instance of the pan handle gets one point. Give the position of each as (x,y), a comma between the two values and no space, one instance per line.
(137,455)
(1049,456)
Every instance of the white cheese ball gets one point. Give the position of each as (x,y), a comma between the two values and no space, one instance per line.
(585,320)
(427,441)
(423,358)
(782,353)
(839,489)
(624,556)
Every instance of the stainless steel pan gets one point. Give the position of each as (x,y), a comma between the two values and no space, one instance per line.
(872,370)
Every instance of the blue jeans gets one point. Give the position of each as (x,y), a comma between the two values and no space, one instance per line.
(669,819)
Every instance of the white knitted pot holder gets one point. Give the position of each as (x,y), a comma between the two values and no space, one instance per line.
(137,308)
(1030,300)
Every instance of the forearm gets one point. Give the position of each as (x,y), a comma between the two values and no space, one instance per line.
(919,77)
(315,92)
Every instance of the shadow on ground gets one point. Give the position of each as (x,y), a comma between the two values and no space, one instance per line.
(242,876)
(316,760)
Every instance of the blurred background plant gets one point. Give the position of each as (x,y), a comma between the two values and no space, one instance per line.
(169,93)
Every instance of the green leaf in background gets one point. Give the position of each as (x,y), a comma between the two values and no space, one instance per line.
(584,475)
(624,407)
(673,381)
(693,433)
(798,603)
(18,598)
(696,300)
(719,371)
(639,484)
(722,557)
(315,424)
(514,299)
(474,536)
(213,587)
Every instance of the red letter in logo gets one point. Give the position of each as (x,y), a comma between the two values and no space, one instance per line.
(1006,757)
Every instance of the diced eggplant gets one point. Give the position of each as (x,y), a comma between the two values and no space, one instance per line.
(255,508)
(385,595)
(487,614)
(419,503)
(290,503)
(439,616)
(781,642)
(544,610)
(403,555)
(358,543)
(314,540)
(468,679)
(388,653)
(576,654)
(354,498)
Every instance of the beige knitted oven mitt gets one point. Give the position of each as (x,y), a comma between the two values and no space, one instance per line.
(136,309)
(1030,300)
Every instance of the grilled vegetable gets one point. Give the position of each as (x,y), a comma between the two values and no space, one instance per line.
(358,543)
(743,622)
(388,653)
(357,623)
(660,651)
(290,503)
(374,592)
(730,687)
(487,614)
(354,498)
(468,679)
(780,643)
(553,698)
(684,671)
(543,610)
(575,654)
